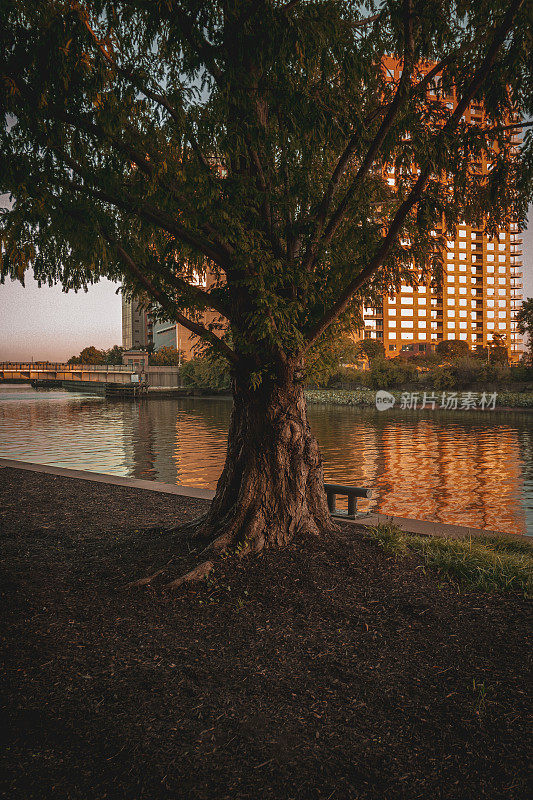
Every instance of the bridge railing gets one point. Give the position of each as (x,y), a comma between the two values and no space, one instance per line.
(24,366)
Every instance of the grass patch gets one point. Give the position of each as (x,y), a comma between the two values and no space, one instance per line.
(489,563)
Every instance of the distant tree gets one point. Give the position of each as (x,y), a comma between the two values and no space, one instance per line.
(371,348)
(114,355)
(149,140)
(452,348)
(498,352)
(166,357)
(524,319)
(89,355)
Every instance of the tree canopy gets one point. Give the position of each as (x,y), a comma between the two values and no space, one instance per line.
(524,320)
(150,141)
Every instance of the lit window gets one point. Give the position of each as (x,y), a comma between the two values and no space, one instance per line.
(462,325)
(407,323)
(490,246)
(462,314)
(462,245)
(462,256)
(490,257)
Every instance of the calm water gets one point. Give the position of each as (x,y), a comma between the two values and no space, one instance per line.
(469,468)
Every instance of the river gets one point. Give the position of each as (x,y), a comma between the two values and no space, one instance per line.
(469,468)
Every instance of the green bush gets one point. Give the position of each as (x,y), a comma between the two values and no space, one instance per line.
(206,373)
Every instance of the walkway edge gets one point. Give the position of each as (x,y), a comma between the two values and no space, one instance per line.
(416,526)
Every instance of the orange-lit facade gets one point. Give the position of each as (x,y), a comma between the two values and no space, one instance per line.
(481,289)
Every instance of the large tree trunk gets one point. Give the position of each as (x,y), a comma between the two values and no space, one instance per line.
(272,485)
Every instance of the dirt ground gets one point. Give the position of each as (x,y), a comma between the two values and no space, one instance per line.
(327,670)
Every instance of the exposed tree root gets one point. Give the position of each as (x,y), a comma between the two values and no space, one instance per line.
(199,573)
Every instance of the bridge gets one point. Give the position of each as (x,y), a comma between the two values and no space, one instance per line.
(104,378)
(100,378)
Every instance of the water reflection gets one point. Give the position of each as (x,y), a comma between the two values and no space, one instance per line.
(469,468)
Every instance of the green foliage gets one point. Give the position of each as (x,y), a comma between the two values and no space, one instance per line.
(147,142)
(165,357)
(206,373)
(91,355)
(490,564)
(326,357)
(387,374)
(366,398)
(524,320)
(114,355)
(452,348)
(372,349)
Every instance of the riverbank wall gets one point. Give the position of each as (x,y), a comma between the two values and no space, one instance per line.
(366,519)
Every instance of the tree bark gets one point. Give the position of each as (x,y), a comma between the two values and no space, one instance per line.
(272,485)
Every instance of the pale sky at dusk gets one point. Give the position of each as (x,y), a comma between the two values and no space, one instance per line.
(49,324)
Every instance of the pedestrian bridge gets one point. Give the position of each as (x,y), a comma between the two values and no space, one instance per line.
(106,378)
(85,373)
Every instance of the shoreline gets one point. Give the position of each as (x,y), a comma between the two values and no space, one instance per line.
(364,519)
(363,398)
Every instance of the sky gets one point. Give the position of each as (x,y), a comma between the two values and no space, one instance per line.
(48,324)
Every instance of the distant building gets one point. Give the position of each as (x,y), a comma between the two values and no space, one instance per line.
(481,289)
(136,326)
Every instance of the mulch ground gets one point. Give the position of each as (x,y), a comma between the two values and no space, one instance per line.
(328,670)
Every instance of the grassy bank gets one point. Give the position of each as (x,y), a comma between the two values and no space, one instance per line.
(488,563)
(366,398)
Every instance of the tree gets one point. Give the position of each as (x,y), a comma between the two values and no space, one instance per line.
(89,355)
(498,349)
(452,348)
(372,349)
(524,320)
(166,357)
(149,142)
(114,355)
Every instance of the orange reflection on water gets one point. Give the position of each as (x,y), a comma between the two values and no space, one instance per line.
(468,468)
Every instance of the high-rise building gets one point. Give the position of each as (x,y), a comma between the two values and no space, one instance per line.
(480,294)
(481,287)
(136,326)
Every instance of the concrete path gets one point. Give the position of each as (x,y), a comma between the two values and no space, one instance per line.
(417,526)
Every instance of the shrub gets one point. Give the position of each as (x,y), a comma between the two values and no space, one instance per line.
(206,373)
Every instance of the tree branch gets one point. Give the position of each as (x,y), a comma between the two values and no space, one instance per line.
(174,314)
(415,194)
(158,97)
(399,97)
